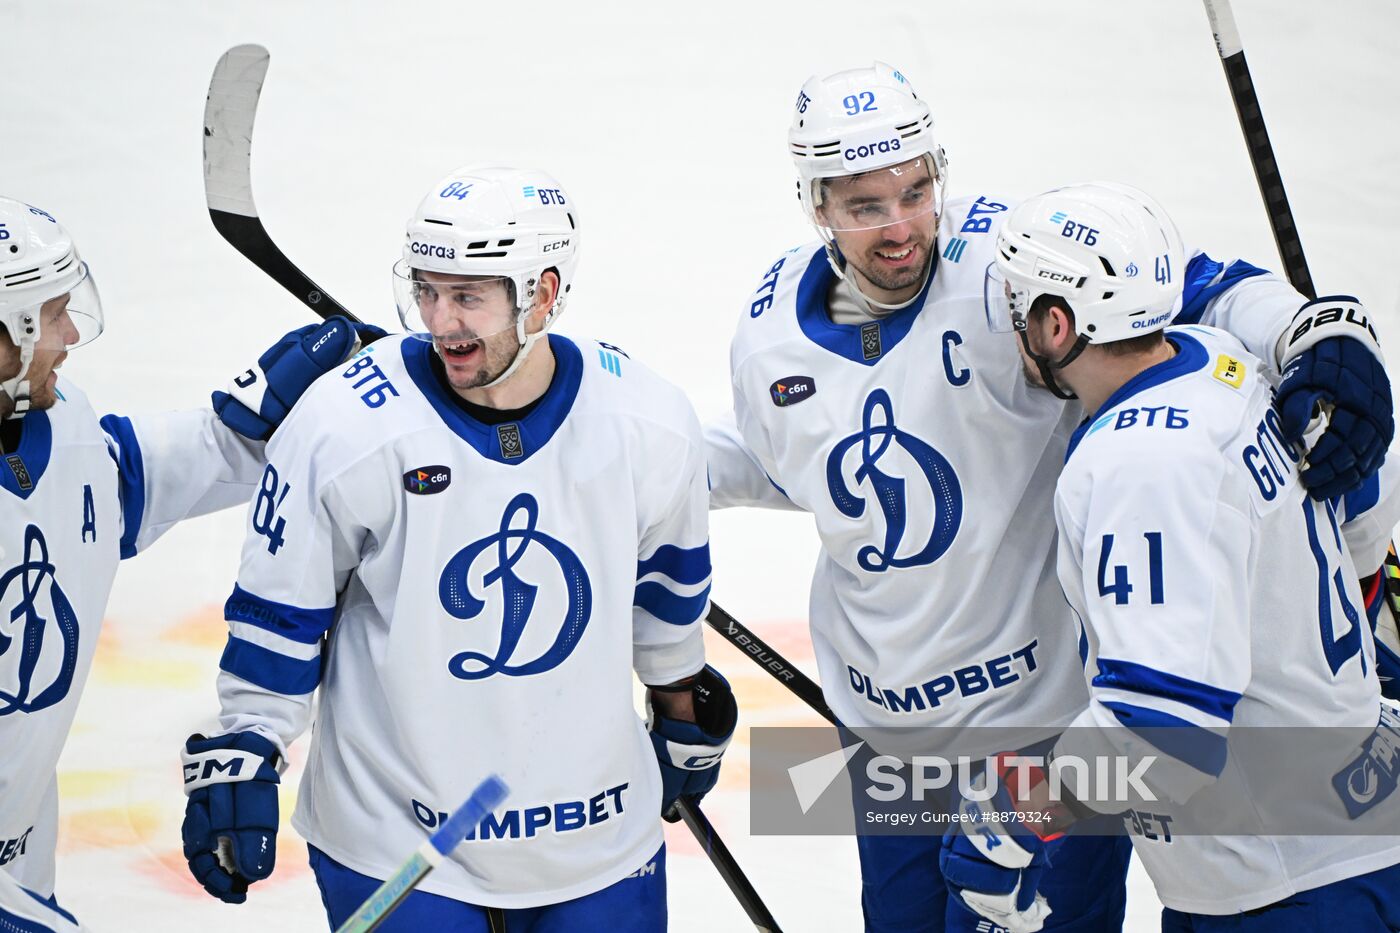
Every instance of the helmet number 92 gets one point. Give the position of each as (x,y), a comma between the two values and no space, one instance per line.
(859,103)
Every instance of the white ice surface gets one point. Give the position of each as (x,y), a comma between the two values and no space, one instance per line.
(668,127)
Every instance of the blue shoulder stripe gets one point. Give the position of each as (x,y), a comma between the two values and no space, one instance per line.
(1185,741)
(270,670)
(131,473)
(1139,678)
(301,625)
(667,606)
(1201,286)
(686,565)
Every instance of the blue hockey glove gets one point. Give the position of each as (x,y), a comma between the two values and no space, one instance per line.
(230,829)
(256,401)
(1333,365)
(994,867)
(689,752)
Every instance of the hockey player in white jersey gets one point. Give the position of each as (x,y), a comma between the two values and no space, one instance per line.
(469,540)
(1214,594)
(868,392)
(77,495)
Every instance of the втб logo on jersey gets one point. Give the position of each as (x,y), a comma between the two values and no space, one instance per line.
(877,433)
(30,575)
(515,596)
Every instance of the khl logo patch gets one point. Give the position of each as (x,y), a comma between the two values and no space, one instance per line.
(515,596)
(791,390)
(878,432)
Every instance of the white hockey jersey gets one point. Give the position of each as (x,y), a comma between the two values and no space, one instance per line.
(75,498)
(487,592)
(1214,593)
(929,465)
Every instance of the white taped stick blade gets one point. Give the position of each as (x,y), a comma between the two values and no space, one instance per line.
(229,112)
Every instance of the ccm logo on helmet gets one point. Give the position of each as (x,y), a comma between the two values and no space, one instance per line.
(865,151)
(554,245)
(1054,276)
(429,249)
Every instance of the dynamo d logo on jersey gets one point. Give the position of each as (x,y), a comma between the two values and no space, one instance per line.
(22,644)
(515,596)
(427,480)
(877,438)
(792,390)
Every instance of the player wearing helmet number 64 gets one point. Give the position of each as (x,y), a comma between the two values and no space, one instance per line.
(869,392)
(467,541)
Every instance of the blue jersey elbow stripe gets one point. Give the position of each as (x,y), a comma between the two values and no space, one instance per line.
(686,565)
(1139,678)
(268,669)
(131,472)
(303,625)
(1185,741)
(667,606)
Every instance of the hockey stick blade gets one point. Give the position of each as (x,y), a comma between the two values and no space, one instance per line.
(229,113)
(487,796)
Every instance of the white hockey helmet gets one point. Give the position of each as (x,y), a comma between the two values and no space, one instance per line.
(856,121)
(38,263)
(492,222)
(1109,250)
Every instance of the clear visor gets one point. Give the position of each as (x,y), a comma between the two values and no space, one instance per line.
(884,197)
(1005,305)
(447,308)
(69,320)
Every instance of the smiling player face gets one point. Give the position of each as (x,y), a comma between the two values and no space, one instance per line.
(885,223)
(472,323)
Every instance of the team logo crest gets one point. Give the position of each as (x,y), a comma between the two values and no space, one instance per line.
(508,436)
(876,439)
(792,390)
(22,643)
(870,344)
(515,539)
(427,480)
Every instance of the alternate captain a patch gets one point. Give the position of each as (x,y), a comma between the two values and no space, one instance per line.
(1229,371)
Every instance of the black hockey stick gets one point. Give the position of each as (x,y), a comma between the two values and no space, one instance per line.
(1266,173)
(1261,152)
(771,661)
(229,114)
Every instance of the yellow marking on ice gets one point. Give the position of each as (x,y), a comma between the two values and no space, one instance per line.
(203,628)
(75,785)
(108,827)
(1229,371)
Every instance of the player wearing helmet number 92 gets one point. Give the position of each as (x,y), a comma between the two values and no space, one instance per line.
(77,495)
(870,392)
(541,536)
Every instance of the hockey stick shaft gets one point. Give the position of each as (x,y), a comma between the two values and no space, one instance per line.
(778,667)
(1261,151)
(487,796)
(229,114)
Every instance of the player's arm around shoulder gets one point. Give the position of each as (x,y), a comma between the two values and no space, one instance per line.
(177,465)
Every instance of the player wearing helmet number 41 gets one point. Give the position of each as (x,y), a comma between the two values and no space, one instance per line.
(468,540)
(1215,595)
(869,392)
(77,495)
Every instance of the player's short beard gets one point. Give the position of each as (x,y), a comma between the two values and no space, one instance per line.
(498,351)
(895,279)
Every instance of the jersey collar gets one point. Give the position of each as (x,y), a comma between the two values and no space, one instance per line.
(31,459)
(1190,357)
(514,442)
(866,343)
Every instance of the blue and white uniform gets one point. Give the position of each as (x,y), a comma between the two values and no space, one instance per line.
(473,598)
(929,466)
(1215,593)
(76,497)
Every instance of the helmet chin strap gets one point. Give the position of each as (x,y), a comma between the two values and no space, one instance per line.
(17,387)
(526,341)
(838,265)
(1047,366)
